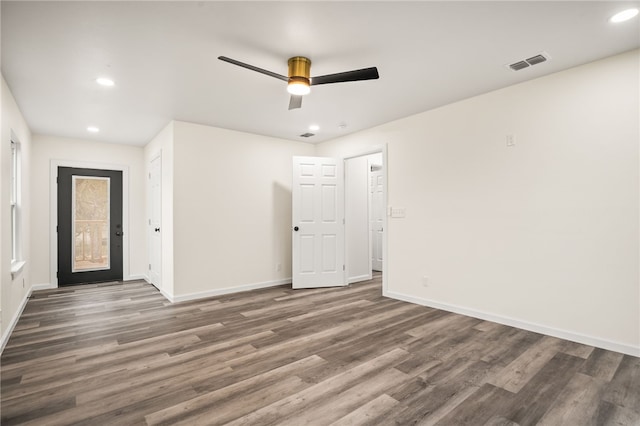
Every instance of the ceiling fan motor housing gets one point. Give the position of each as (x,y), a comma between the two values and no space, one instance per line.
(299,70)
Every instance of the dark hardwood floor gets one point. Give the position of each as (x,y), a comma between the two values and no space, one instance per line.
(121,354)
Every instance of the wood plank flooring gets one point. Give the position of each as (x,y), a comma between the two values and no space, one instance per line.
(120,354)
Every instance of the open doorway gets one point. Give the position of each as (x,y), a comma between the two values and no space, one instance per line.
(365,218)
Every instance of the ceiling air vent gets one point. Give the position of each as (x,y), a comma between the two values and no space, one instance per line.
(307,135)
(536,59)
(525,63)
(517,66)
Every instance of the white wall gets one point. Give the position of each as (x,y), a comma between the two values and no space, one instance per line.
(47,148)
(162,144)
(14,290)
(232,209)
(543,235)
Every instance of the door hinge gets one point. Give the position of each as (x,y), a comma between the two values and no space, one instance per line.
(149,175)
(56,179)
(149,266)
(57,274)
(343,268)
(56,228)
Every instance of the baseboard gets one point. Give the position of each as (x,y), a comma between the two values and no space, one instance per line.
(166,295)
(136,277)
(42,286)
(359,278)
(513,322)
(226,290)
(12,324)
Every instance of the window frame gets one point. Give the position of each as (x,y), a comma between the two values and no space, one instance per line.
(15,200)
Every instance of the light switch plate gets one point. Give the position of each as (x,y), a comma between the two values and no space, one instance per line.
(398,212)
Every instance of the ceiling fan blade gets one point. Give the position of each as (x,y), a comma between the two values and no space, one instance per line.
(252,68)
(342,77)
(295,102)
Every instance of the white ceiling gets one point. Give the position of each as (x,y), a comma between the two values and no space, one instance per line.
(163,58)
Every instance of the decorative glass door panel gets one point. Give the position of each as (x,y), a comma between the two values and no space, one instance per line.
(90,223)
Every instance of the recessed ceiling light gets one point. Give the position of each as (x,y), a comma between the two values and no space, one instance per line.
(314,127)
(625,15)
(103,81)
(93,129)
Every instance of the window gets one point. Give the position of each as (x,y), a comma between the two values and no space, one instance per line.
(16,263)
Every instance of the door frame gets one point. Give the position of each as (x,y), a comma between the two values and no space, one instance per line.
(156,156)
(53,212)
(377,149)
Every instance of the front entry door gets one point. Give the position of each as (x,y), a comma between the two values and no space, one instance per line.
(318,222)
(89,225)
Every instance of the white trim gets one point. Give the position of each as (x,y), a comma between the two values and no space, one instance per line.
(12,324)
(226,290)
(524,325)
(16,268)
(136,277)
(166,295)
(42,286)
(53,212)
(359,278)
(150,233)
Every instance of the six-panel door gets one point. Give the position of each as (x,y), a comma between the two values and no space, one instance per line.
(318,222)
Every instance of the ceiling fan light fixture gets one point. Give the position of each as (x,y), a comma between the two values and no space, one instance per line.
(298,86)
(299,75)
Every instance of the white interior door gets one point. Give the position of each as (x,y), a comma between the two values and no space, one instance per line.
(377,215)
(318,222)
(155,220)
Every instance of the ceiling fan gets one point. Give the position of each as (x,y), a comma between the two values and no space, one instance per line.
(299,80)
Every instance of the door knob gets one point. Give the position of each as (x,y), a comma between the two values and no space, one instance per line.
(295,228)
(119,234)
(157,229)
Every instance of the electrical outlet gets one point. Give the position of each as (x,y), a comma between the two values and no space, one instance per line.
(511,140)
(425,281)
(278,267)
